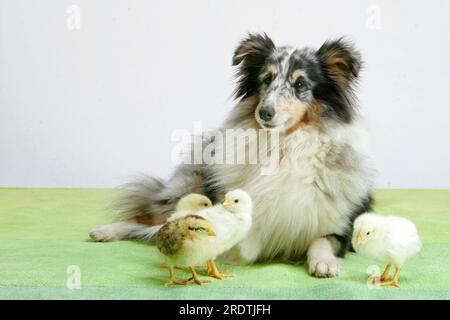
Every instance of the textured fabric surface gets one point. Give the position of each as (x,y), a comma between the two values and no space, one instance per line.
(45,231)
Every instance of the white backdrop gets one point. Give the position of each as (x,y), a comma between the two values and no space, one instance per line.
(90,91)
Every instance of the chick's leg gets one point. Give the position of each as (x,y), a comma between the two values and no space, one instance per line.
(165,266)
(394,281)
(384,277)
(215,273)
(195,279)
(172,279)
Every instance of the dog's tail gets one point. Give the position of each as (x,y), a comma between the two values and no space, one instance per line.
(144,234)
(150,201)
(147,202)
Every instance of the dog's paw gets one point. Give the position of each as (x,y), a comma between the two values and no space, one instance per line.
(324,268)
(104,233)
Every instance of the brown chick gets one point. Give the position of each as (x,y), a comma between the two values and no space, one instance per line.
(186,242)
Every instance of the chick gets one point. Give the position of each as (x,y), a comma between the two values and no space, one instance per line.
(232,226)
(186,241)
(388,239)
(231,221)
(190,204)
(187,205)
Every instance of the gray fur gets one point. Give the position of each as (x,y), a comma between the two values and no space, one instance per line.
(146,234)
(152,196)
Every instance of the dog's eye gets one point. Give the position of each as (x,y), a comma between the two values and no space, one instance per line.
(299,84)
(267,80)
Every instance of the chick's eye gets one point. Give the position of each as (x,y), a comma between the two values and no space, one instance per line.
(205,204)
(236,201)
(196,228)
(368,232)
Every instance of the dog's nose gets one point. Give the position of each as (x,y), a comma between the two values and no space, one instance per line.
(267,113)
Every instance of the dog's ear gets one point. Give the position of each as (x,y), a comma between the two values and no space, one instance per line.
(340,61)
(251,56)
(254,46)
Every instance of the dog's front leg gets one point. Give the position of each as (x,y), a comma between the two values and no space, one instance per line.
(127,229)
(322,261)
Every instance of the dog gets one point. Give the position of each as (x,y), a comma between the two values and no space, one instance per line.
(304,212)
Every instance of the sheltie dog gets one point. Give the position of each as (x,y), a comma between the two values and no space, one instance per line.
(304,211)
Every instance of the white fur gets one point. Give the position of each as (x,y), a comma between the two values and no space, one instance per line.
(117,231)
(321,260)
(323,174)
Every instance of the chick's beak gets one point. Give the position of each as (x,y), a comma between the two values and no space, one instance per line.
(226,203)
(211,233)
(359,239)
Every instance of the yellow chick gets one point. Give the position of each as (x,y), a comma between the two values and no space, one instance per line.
(388,239)
(186,241)
(190,204)
(231,221)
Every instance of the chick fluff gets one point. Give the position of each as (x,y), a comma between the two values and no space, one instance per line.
(388,239)
(186,241)
(191,204)
(230,221)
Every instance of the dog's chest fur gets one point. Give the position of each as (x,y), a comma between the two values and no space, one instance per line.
(321,178)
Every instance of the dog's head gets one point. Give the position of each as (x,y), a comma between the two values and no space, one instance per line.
(295,87)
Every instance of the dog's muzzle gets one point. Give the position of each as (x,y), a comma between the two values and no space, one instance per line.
(267,113)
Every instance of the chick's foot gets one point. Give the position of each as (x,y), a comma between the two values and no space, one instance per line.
(215,273)
(165,266)
(195,279)
(172,279)
(378,279)
(392,282)
(177,282)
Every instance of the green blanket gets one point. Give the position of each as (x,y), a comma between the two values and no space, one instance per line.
(44,243)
